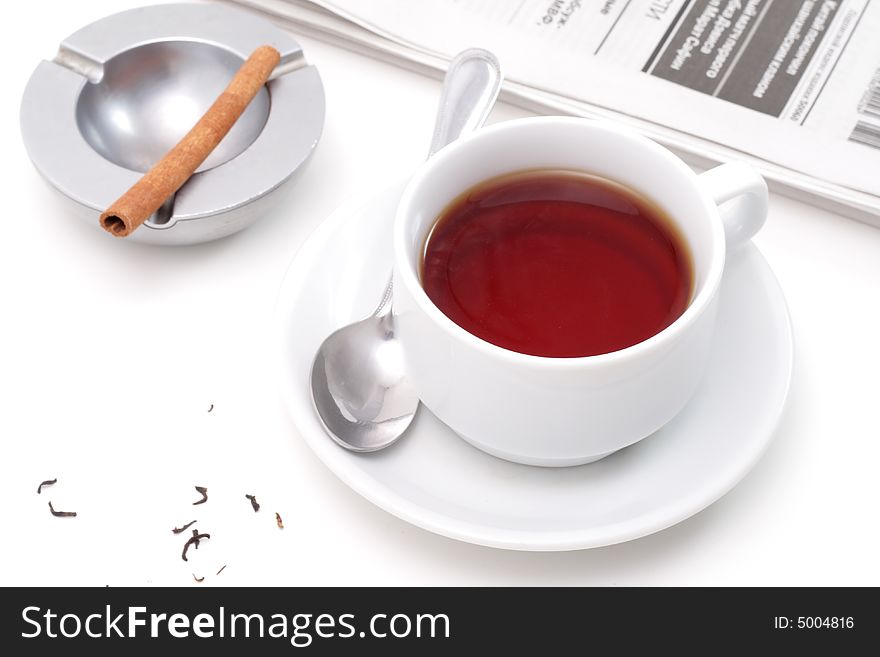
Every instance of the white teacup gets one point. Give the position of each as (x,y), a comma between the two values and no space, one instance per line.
(566,411)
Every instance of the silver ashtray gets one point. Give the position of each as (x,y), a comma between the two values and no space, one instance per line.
(125,89)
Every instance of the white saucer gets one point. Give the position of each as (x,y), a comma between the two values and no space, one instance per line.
(437,481)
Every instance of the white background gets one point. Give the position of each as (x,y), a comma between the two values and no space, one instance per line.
(112,352)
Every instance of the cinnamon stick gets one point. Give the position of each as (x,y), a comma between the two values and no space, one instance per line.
(148,194)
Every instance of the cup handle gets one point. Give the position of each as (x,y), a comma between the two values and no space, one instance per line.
(743,185)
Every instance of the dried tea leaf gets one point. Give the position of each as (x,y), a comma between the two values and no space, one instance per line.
(48,482)
(61,514)
(180,530)
(195,539)
(204,491)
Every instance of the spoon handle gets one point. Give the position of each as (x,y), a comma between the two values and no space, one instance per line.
(470,88)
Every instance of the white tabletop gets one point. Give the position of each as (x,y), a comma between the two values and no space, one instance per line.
(113,352)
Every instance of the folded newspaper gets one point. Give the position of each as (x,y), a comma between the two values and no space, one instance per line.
(792,86)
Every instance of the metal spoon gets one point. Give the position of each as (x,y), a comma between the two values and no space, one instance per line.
(358,380)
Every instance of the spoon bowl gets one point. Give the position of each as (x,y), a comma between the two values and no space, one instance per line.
(358,374)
